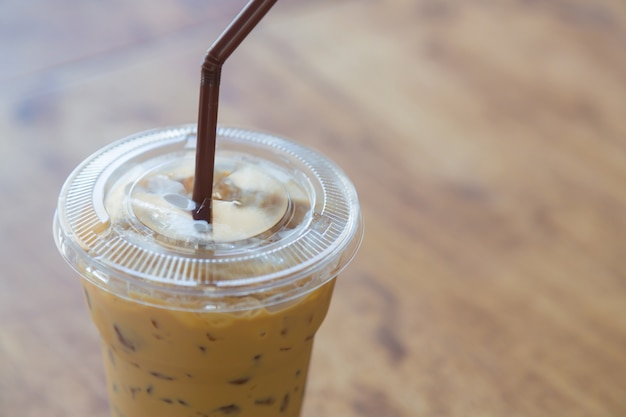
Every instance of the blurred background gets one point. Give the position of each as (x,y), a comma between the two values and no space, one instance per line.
(487,139)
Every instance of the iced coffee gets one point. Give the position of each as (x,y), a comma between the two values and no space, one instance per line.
(207,319)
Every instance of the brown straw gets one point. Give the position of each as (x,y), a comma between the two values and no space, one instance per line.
(228,41)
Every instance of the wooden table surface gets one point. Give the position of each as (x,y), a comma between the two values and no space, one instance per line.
(487,140)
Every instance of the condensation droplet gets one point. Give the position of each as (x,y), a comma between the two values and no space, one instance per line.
(180,201)
(202,226)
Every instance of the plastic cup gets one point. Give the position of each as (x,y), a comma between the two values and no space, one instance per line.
(198,319)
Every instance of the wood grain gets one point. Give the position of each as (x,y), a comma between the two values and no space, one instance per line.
(486,139)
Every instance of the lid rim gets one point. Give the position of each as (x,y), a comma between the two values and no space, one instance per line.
(336,254)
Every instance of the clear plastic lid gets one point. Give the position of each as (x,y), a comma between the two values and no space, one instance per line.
(285,221)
